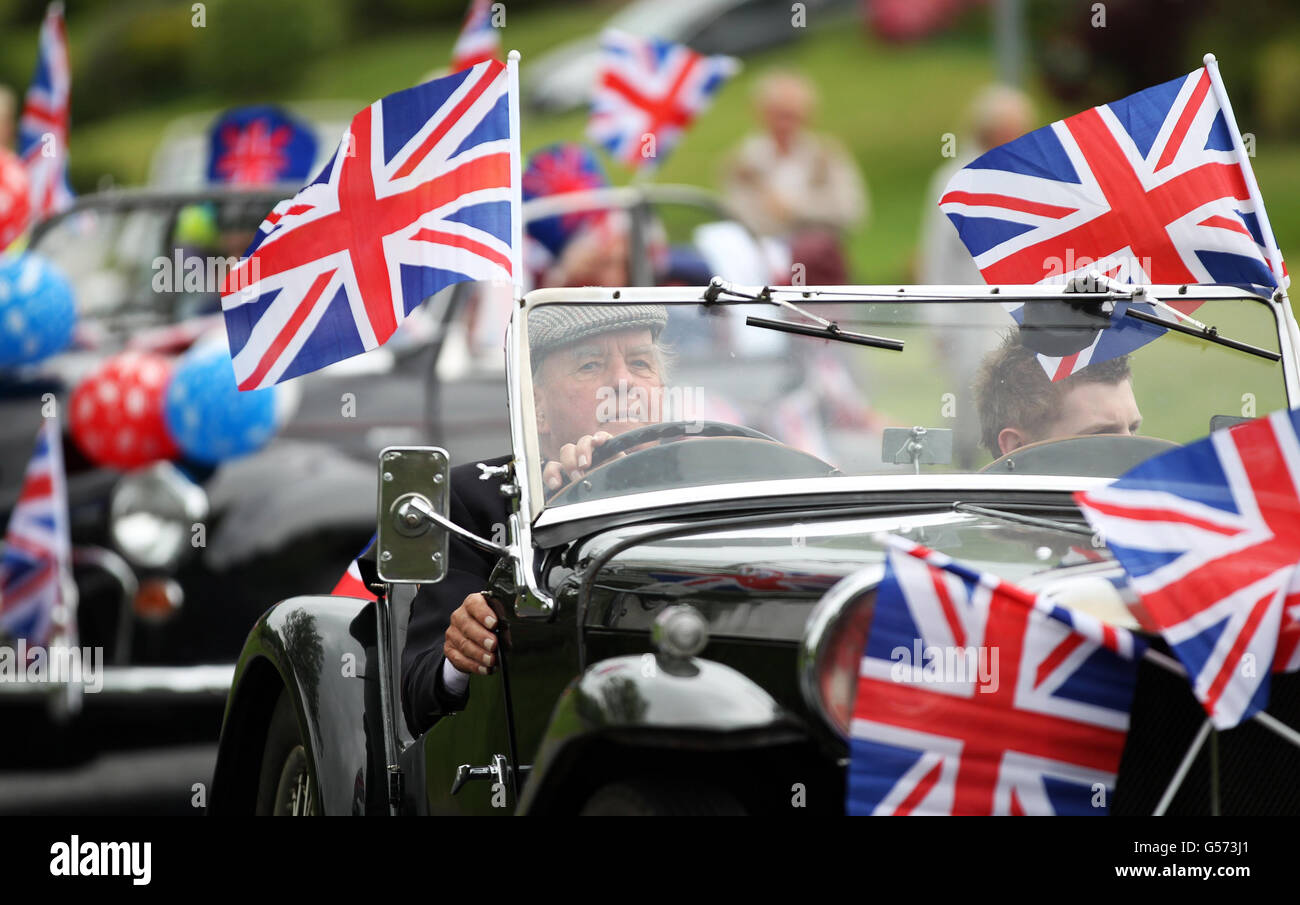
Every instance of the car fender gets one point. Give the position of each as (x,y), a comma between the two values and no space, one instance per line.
(648,701)
(321,650)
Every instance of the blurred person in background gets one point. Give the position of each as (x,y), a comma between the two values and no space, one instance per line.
(803,189)
(997,115)
(794,184)
(8,117)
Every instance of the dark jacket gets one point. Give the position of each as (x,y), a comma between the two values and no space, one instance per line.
(478,506)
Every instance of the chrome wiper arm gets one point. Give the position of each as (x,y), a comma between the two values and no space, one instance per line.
(1021,519)
(1207,333)
(829,331)
(825,330)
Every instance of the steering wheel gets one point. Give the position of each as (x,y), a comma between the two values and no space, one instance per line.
(1090,455)
(671,430)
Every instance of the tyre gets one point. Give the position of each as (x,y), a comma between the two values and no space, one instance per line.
(286,786)
(660,798)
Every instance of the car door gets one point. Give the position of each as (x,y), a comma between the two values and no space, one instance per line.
(539,664)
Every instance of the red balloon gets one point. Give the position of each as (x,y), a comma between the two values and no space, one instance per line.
(117,412)
(15,201)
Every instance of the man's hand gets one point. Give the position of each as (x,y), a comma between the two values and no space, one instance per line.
(469,643)
(575,459)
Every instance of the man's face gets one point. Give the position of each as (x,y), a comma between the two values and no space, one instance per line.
(785,112)
(1086,408)
(577,388)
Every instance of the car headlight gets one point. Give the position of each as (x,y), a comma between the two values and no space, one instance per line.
(152,515)
(830,656)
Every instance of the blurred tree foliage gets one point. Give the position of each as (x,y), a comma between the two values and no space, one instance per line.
(131,54)
(1093,52)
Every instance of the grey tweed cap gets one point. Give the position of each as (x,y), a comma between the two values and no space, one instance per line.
(552,327)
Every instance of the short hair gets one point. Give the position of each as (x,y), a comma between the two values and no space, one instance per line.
(1012,389)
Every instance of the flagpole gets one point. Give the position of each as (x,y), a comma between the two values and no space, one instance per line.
(516,179)
(1270,242)
(1256,197)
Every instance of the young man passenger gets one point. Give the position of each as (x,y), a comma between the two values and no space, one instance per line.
(1019,404)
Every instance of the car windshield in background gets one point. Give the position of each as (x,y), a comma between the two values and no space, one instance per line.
(149,264)
(632,398)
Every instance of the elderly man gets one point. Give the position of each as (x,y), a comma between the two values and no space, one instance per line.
(580,354)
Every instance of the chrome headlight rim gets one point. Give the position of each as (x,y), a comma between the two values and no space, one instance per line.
(829,619)
(164,492)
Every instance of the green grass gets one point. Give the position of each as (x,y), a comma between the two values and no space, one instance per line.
(889,105)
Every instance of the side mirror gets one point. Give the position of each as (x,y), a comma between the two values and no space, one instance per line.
(413,507)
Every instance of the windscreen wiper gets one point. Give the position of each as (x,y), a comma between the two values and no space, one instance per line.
(824,329)
(1203,332)
(1184,323)
(827,330)
(1022,519)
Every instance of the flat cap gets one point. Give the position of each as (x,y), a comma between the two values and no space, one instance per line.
(551,327)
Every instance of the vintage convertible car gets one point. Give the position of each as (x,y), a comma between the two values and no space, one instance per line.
(687,618)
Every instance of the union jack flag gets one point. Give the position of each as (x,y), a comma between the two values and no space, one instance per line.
(1209,535)
(37,551)
(648,87)
(1148,189)
(43,127)
(417,197)
(976,698)
(478,41)
(260,146)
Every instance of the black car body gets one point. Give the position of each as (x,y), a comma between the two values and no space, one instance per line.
(691,645)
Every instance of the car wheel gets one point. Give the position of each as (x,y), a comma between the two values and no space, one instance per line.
(286,787)
(646,798)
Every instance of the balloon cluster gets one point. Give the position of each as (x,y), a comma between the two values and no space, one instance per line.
(140,407)
(135,407)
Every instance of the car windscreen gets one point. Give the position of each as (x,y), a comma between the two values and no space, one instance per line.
(631,398)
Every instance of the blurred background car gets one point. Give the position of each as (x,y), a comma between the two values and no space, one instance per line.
(562,79)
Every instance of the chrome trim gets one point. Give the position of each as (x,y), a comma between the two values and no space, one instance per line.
(520,392)
(387,692)
(951,485)
(821,622)
(670,295)
(143,683)
(1290,349)
(168,681)
(531,601)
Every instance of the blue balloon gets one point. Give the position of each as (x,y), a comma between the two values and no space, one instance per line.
(37,311)
(208,416)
